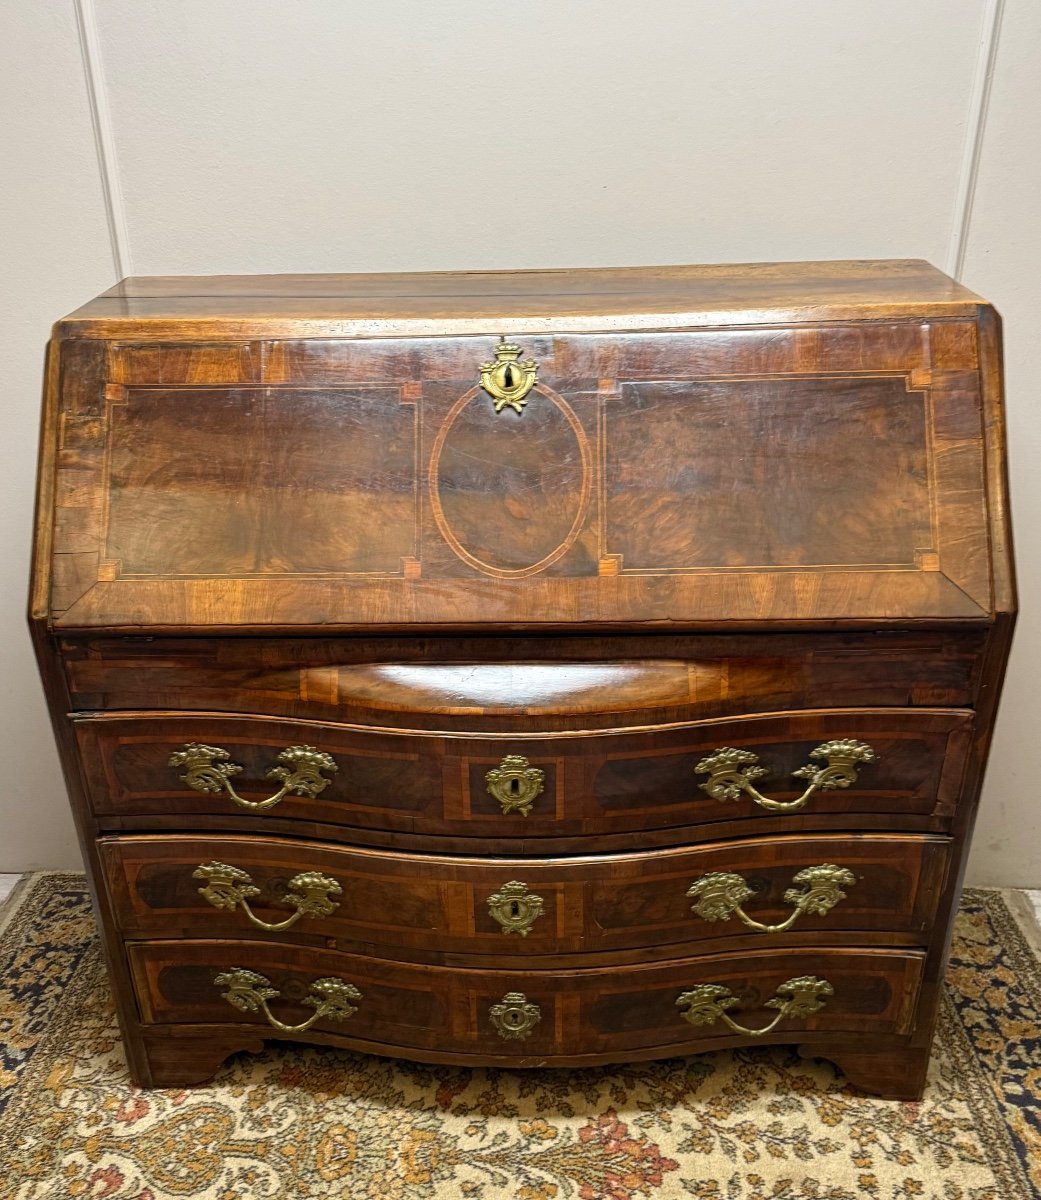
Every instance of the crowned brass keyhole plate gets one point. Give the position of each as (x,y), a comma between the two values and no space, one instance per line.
(515,907)
(507,378)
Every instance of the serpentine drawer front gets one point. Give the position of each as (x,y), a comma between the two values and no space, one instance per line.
(904,763)
(230,886)
(526,668)
(503,1015)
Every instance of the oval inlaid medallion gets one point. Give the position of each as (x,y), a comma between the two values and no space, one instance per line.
(510,491)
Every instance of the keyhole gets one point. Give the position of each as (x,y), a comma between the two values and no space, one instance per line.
(514,909)
(514,1018)
(514,787)
(507,376)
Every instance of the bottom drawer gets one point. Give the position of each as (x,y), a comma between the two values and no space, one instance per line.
(391,1007)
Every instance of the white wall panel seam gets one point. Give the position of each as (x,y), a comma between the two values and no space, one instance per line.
(104,137)
(979,105)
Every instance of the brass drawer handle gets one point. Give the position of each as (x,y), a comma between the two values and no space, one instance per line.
(207,769)
(507,380)
(720,895)
(515,784)
(228,887)
(731,772)
(514,1017)
(515,907)
(250,992)
(799,997)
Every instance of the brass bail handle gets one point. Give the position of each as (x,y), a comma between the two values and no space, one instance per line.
(721,894)
(732,772)
(799,997)
(300,771)
(309,893)
(249,991)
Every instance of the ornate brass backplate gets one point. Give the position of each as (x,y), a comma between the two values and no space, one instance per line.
(515,784)
(249,992)
(507,380)
(731,772)
(515,908)
(721,894)
(514,1016)
(227,887)
(207,769)
(708,1003)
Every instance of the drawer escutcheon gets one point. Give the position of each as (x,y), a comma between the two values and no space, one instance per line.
(514,1016)
(250,992)
(731,772)
(708,1003)
(311,894)
(208,769)
(515,784)
(515,907)
(721,894)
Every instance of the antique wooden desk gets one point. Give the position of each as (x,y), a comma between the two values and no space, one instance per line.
(559,667)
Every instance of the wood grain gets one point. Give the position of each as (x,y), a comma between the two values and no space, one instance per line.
(590,904)
(371,483)
(405,1005)
(594,782)
(761,506)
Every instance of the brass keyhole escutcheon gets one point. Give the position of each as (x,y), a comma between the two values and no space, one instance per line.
(515,783)
(515,907)
(514,1016)
(507,380)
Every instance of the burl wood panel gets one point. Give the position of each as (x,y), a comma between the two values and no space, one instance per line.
(743,484)
(260,482)
(593,781)
(582,1011)
(588,904)
(502,684)
(695,479)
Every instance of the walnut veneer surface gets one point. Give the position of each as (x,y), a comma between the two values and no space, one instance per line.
(638,713)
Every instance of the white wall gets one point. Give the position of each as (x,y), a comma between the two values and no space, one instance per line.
(318,135)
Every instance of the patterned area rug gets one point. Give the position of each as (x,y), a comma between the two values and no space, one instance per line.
(294,1123)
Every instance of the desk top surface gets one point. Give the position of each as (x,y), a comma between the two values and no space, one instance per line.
(571,300)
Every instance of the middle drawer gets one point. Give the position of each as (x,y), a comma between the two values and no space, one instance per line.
(169,886)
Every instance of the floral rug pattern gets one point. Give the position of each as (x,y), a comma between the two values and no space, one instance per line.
(301,1123)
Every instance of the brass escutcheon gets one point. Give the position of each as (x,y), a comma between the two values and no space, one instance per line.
(515,784)
(228,887)
(207,769)
(731,772)
(720,895)
(515,908)
(514,1016)
(708,1003)
(250,992)
(507,380)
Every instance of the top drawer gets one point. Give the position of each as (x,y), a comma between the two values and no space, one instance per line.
(514,683)
(882,768)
